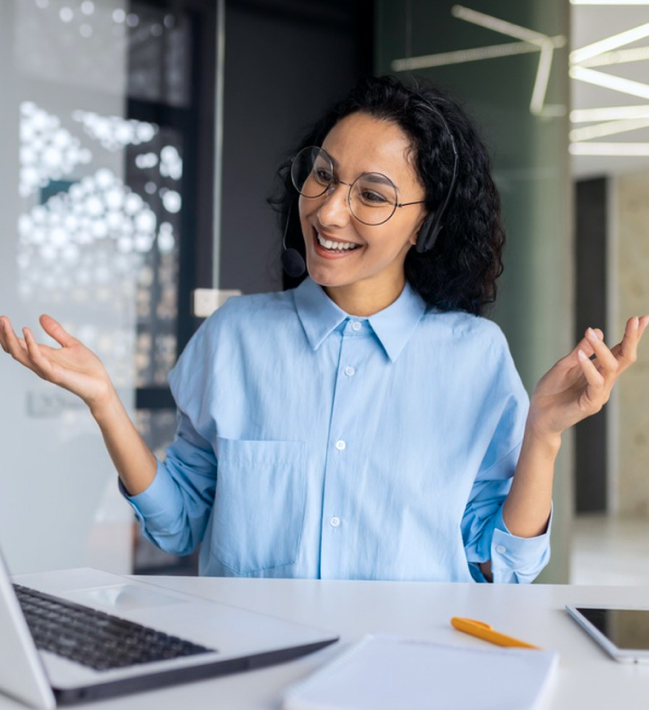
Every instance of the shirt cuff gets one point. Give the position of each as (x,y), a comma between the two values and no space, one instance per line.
(518,559)
(154,504)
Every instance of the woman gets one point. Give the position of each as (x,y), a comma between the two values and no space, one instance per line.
(368,423)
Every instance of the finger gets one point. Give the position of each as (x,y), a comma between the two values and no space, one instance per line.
(644,322)
(584,346)
(593,376)
(40,365)
(627,350)
(3,339)
(56,331)
(605,358)
(16,347)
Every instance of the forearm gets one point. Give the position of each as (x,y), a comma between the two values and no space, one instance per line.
(526,510)
(135,463)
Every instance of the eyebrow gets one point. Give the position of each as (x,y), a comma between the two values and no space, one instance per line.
(379,178)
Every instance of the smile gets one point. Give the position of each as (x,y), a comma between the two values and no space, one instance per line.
(335,246)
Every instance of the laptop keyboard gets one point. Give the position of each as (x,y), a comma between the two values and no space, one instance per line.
(93,638)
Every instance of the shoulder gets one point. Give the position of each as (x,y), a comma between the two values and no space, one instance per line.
(250,311)
(241,323)
(462,326)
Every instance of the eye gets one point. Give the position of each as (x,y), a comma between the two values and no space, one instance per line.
(371,197)
(323,176)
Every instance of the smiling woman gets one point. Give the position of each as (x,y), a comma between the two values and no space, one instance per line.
(369,423)
(361,262)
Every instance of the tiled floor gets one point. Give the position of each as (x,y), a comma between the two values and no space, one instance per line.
(608,550)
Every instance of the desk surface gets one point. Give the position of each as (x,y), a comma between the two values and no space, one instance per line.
(587,677)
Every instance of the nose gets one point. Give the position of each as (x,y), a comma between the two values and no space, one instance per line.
(334,210)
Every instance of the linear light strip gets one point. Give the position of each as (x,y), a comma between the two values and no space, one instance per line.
(613,149)
(493,23)
(610,128)
(615,83)
(613,113)
(609,2)
(542,78)
(463,55)
(620,56)
(613,42)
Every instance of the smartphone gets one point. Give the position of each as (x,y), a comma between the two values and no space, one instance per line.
(622,633)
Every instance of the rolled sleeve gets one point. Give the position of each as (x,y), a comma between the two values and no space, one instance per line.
(174,510)
(518,559)
(156,504)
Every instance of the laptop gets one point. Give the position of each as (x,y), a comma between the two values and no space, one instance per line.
(122,636)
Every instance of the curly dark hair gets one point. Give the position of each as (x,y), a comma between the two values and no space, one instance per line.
(460,271)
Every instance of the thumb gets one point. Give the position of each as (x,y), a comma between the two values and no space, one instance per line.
(56,331)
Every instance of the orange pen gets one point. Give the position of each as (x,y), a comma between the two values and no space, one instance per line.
(487,633)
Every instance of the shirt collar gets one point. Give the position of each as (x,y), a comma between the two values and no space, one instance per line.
(393,325)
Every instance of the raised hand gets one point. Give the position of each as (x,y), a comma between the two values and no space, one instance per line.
(578,386)
(72,366)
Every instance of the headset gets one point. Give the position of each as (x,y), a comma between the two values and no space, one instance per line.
(432,226)
(292,260)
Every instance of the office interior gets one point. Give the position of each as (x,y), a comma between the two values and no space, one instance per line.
(140,141)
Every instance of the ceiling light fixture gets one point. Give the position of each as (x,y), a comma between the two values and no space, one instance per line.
(610,128)
(612,113)
(612,149)
(615,83)
(609,2)
(620,56)
(613,42)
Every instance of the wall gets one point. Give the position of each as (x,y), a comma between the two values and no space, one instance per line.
(270,98)
(630,282)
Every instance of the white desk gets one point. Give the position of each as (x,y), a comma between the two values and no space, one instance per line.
(587,678)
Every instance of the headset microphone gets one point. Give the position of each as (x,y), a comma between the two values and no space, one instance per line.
(292,260)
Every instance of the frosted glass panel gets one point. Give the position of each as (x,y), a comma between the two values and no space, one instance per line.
(91,225)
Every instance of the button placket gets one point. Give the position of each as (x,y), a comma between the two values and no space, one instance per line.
(342,431)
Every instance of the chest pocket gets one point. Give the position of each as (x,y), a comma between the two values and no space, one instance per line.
(259,505)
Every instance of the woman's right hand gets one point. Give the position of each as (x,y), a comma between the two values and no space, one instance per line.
(72,366)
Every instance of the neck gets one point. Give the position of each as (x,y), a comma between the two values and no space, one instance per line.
(363,300)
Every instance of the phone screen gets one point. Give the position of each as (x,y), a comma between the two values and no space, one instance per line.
(626,628)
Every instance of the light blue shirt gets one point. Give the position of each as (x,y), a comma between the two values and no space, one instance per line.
(316,444)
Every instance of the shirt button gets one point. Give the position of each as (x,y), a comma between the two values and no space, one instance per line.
(350,371)
(500,549)
(356,325)
(334,522)
(341,445)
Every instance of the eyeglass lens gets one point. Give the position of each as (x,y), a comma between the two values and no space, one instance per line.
(372,196)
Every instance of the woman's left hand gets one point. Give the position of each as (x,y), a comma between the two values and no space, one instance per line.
(578,386)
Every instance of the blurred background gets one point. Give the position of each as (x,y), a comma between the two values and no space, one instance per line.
(140,140)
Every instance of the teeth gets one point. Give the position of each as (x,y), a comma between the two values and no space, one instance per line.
(336,246)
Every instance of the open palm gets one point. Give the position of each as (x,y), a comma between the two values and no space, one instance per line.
(72,366)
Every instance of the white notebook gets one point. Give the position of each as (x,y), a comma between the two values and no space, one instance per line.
(383,672)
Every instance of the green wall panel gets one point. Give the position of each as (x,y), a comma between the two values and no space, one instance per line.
(529,147)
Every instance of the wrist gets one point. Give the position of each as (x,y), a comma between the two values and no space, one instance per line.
(104,405)
(538,436)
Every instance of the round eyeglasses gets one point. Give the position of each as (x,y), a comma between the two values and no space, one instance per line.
(372,197)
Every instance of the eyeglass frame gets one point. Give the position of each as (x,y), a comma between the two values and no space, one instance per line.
(337,181)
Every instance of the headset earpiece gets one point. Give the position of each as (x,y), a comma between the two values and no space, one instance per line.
(428,232)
